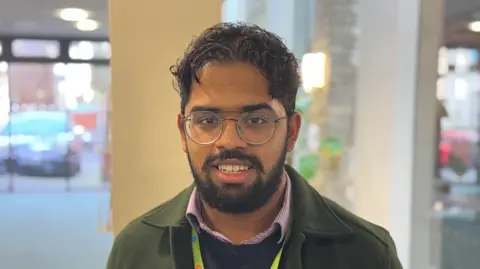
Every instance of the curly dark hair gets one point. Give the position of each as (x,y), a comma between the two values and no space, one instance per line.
(239,42)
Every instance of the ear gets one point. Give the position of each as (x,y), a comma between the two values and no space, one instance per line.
(182,131)
(294,124)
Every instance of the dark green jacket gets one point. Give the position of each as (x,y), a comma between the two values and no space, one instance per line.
(322,235)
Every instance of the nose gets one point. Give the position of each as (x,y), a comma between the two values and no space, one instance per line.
(230,139)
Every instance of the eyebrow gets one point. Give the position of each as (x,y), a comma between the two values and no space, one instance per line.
(247,108)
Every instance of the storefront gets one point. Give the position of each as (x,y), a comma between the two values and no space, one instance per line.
(55,92)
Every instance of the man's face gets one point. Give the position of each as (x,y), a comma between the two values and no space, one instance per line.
(231,174)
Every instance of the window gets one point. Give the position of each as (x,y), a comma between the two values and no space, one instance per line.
(36,48)
(88,50)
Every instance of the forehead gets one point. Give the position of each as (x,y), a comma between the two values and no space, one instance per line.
(230,87)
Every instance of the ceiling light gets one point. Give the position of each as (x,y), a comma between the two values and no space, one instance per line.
(72,14)
(474,26)
(87,25)
(313,71)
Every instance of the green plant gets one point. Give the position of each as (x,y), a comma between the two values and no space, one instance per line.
(457,164)
(309,166)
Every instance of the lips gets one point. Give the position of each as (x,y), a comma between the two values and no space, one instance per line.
(233,173)
(232,161)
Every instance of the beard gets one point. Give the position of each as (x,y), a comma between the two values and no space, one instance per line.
(238,198)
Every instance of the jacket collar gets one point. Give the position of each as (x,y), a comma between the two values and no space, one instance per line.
(312,214)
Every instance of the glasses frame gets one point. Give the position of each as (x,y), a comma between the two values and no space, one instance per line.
(237,128)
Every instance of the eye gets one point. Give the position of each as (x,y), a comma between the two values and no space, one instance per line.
(253,120)
(207,121)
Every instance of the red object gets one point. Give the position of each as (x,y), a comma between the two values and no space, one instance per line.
(87,120)
(458,143)
(445,150)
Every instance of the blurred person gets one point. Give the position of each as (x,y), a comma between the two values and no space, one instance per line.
(246,208)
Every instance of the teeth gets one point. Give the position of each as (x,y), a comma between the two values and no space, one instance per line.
(233,168)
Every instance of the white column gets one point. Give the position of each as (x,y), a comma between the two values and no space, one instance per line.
(234,10)
(395,119)
(281,19)
(292,20)
(148,37)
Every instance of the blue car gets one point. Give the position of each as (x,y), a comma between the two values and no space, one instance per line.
(40,143)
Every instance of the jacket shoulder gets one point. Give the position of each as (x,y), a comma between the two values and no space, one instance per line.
(359,224)
(142,225)
(133,243)
(139,239)
(372,237)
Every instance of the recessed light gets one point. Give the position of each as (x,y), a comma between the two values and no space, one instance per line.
(73,14)
(87,25)
(474,26)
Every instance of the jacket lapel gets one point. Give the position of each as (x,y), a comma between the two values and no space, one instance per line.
(170,217)
(181,247)
(311,218)
(294,251)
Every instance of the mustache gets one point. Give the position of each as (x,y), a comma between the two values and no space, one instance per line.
(232,154)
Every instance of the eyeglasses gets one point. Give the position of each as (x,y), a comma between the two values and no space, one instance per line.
(255,128)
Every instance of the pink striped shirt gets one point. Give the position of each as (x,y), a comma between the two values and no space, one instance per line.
(281,221)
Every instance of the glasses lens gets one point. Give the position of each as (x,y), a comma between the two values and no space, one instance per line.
(256,128)
(203,127)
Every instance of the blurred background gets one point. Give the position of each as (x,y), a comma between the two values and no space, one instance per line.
(55,106)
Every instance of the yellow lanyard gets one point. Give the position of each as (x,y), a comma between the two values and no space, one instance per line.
(197,254)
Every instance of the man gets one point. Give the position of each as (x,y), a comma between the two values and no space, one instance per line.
(246,208)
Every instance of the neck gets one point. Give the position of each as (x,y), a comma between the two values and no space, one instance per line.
(240,227)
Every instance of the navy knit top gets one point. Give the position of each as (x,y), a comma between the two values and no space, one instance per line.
(218,254)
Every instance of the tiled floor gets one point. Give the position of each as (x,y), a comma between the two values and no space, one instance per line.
(53,231)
